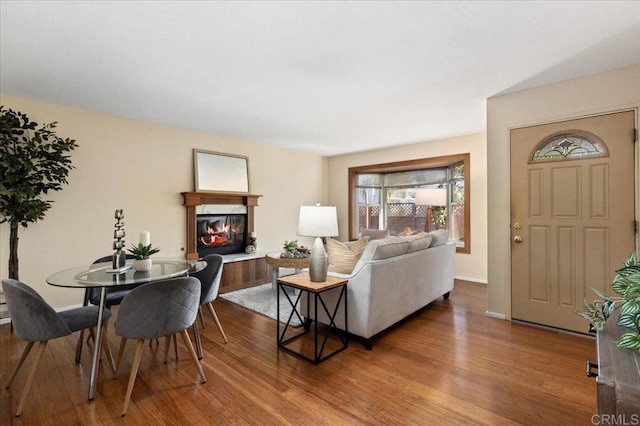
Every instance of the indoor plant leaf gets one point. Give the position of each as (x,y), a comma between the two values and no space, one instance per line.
(626,320)
(629,340)
(620,285)
(630,307)
(601,294)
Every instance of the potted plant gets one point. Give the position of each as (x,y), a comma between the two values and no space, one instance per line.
(33,162)
(627,285)
(291,250)
(141,253)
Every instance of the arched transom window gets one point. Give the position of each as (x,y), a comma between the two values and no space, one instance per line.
(572,145)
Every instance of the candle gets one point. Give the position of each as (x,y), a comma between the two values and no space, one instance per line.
(253,234)
(145,238)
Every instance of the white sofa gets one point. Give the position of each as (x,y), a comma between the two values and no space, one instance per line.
(394,277)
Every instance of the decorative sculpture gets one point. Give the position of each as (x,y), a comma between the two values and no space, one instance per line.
(119,257)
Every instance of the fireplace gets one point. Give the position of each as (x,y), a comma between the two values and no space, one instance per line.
(224,208)
(221,234)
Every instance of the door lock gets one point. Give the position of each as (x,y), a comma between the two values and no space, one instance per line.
(517,225)
(517,239)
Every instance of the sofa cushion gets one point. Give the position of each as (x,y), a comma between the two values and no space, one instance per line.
(342,257)
(418,242)
(389,247)
(439,237)
(374,234)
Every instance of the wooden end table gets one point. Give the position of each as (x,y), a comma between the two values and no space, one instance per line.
(278,262)
(303,283)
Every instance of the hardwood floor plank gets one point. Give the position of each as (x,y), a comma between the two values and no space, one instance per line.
(448,364)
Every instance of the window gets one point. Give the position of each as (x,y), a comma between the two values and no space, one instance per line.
(394,196)
(569,146)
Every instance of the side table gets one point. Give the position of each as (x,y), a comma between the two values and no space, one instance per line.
(303,283)
(278,262)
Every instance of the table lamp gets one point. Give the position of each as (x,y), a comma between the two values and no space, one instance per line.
(430,197)
(318,221)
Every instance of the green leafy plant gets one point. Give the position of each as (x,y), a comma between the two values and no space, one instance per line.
(141,251)
(33,161)
(291,250)
(627,285)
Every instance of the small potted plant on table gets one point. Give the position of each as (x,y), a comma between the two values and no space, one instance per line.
(141,253)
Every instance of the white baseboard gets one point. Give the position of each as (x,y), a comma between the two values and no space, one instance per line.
(495,315)
(473,280)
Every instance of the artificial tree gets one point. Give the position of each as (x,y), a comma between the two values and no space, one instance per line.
(33,161)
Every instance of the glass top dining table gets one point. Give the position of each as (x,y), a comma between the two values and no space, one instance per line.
(98,275)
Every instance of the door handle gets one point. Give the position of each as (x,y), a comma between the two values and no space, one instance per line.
(517,239)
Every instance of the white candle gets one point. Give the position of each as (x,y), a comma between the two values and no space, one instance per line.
(253,235)
(145,238)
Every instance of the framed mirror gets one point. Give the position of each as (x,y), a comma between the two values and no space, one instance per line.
(219,172)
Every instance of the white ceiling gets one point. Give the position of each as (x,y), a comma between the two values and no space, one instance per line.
(320,77)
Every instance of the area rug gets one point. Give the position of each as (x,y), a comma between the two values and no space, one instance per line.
(262,299)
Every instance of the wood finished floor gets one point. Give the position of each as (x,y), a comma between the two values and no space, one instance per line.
(450,364)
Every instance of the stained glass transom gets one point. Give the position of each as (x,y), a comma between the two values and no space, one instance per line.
(569,146)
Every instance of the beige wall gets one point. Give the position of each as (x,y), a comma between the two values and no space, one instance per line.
(471,266)
(593,94)
(142,168)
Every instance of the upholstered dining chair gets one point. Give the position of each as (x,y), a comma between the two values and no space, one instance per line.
(209,284)
(36,321)
(92,295)
(155,310)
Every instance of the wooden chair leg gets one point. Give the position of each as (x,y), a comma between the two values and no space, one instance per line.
(36,362)
(85,302)
(132,376)
(79,346)
(201,316)
(196,336)
(194,356)
(167,343)
(123,343)
(169,339)
(107,348)
(175,346)
(215,318)
(25,352)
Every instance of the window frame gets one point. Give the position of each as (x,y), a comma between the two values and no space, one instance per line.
(412,165)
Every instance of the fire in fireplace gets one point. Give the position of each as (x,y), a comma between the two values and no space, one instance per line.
(221,234)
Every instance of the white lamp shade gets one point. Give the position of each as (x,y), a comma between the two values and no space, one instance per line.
(431,196)
(318,221)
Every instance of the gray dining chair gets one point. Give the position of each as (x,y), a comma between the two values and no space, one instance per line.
(210,284)
(155,310)
(92,296)
(35,320)
(209,278)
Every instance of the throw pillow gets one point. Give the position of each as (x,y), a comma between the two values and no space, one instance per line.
(407,231)
(439,237)
(373,234)
(342,257)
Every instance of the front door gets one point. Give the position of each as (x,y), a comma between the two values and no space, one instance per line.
(572,215)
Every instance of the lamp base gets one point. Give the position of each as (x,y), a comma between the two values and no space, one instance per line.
(318,262)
